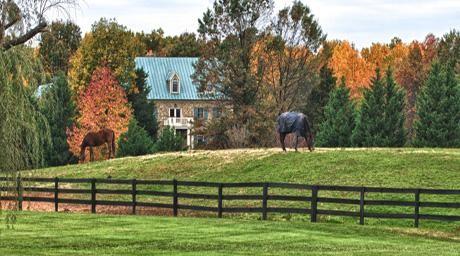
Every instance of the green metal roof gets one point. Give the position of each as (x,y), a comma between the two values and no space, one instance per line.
(160,70)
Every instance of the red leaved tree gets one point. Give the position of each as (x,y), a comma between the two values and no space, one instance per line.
(102,105)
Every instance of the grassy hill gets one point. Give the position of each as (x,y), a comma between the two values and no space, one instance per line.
(84,234)
(431,168)
(405,168)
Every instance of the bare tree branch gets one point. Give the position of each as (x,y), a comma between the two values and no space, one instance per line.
(25,37)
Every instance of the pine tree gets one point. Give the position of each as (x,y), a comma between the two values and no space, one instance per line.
(438,110)
(339,121)
(143,108)
(319,97)
(169,141)
(135,142)
(57,106)
(371,117)
(395,135)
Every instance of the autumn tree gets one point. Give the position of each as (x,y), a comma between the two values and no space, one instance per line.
(103,104)
(108,43)
(438,109)
(339,119)
(59,109)
(412,74)
(286,58)
(58,44)
(347,62)
(377,56)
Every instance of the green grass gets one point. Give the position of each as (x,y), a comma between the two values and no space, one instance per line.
(85,234)
(430,168)
(406,168)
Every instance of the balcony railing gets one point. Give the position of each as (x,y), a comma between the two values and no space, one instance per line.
(179,121)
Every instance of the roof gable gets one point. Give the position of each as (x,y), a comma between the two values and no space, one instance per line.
(161,69)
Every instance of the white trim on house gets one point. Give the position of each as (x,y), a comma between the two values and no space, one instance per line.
(174,78)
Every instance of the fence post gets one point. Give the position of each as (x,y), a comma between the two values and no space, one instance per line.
(219,204)
(56,194)
(175,197)
(417,208)
(264,201)
(361,206)
(19,191)
(93,196)
(134,193)
(314,203)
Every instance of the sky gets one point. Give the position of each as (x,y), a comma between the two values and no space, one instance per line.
(359,21)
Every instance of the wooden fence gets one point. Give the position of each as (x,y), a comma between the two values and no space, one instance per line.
(219,197)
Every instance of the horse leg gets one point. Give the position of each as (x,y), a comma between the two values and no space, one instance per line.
(296,142)
(91,154)
(308,143)
(282,137)
(111,153)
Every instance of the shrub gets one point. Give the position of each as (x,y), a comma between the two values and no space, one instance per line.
(169,141)
(135,142)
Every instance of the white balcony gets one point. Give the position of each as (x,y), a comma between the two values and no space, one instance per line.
(179,122)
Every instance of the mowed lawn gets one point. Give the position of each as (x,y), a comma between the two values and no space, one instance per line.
(85,234)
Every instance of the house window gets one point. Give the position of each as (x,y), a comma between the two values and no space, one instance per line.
(175,84)
(200,140)
(216,112)
(201,113)
(174,112)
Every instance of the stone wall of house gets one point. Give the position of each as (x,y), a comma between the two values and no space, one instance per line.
(187,108)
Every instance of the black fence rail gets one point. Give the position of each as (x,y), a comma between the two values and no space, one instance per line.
(312,199)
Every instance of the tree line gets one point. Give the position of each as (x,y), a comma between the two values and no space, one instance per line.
(259,62)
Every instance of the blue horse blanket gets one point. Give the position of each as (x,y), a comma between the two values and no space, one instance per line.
(290,122)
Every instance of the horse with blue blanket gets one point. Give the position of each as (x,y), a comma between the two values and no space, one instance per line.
(294,122)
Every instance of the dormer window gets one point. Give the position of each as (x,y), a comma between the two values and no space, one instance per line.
(174,84)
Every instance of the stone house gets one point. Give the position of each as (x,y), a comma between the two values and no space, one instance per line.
(177,100)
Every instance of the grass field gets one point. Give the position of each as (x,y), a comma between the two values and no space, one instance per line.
(405,168)
(429,168)
(85,234)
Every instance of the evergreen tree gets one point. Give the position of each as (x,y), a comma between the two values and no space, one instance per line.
(371,117)
(395,135)
(134,142)
(319,97)
(169,141)
(57,106)
(438,110)
(337,127)
(143,108)
(380,121)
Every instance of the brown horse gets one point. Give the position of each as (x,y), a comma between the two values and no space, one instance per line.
(95,139)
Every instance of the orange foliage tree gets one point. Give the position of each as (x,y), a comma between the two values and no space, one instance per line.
(103,104)
(413,72)
(347,62)
(377,56)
